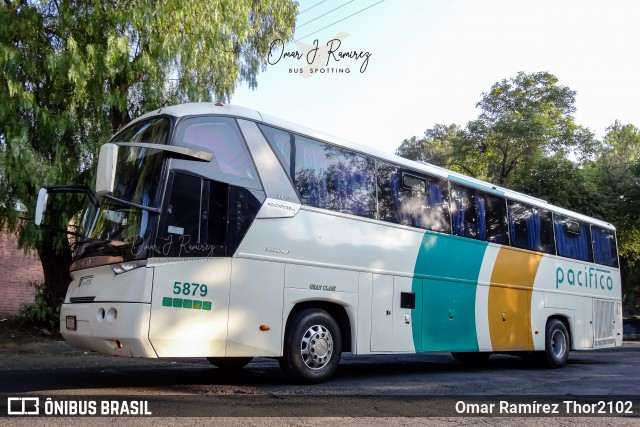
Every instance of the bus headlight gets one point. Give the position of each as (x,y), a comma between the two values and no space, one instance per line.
(123,267)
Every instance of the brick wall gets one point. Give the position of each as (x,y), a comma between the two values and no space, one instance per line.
(16,271)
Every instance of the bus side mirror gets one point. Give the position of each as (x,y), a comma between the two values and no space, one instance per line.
(41,204)
(106,175)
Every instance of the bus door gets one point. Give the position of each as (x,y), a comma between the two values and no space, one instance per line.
(190,297)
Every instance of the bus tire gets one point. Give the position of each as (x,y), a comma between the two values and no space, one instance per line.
(556,347)
(471,358)
(230,362)
(312,347)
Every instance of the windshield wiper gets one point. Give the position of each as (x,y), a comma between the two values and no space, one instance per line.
(135,205)
(97,246)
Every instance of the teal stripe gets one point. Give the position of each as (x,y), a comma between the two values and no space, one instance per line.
(444,320)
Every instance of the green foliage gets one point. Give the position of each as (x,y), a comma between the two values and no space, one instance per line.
(521,119)
(43,312)
(445,146)
(73,72)
(561,182)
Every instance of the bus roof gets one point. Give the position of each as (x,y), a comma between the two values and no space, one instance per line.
(209,108)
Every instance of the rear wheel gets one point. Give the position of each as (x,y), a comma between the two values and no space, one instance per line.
(230,362)
(556,347)
(472,358)
(312,347)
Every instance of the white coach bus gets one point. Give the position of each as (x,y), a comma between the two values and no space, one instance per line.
(216,231)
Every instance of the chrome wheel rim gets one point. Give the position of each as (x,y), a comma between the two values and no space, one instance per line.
(316,347)
(558,343)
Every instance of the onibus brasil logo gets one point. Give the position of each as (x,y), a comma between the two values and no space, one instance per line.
(33,406)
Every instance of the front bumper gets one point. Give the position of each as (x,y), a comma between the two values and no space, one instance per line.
(115,328)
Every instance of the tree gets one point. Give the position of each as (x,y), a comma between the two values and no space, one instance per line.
(72,72)
(560,182)
(521,119)
(434,148)
(444,146)
(617,171)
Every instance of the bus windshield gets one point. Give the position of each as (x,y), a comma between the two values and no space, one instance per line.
(117,229)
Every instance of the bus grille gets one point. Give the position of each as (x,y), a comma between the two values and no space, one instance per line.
(77,300)
(603,323)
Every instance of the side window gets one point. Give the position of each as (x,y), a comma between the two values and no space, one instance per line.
(573,238)
(231,162)
(605,250)
(283,145)
(478,215)
(326,176)
(411,198)
(333,178)
(531,228)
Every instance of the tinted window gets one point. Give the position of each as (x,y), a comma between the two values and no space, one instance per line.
(478,215)
(138,169)
(231,162)
(283,145)
(573,238)
(410,198)
(183,214)
(201,217)
(605,250)
(326,176)
(214,217)
(531,228)
(154,131)
(243,207)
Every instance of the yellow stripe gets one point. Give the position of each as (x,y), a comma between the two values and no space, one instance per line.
(509,307)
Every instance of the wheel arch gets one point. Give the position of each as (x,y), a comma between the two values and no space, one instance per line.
(337,311)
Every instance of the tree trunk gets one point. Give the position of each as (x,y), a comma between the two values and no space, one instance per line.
(55,266)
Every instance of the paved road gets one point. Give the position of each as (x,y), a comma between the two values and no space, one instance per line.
(53,369)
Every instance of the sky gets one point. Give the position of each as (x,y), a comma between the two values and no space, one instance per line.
(430,61)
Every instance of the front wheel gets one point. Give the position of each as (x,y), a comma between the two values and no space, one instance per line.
(230,362)
(312,347)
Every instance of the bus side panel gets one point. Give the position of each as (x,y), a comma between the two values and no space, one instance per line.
(510,299)
(568,288)
(363,327)
(482,298)
(256,299)
(448,299)
(310,283)
(392,325)
(587,315)
(190,308)
(332,241)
